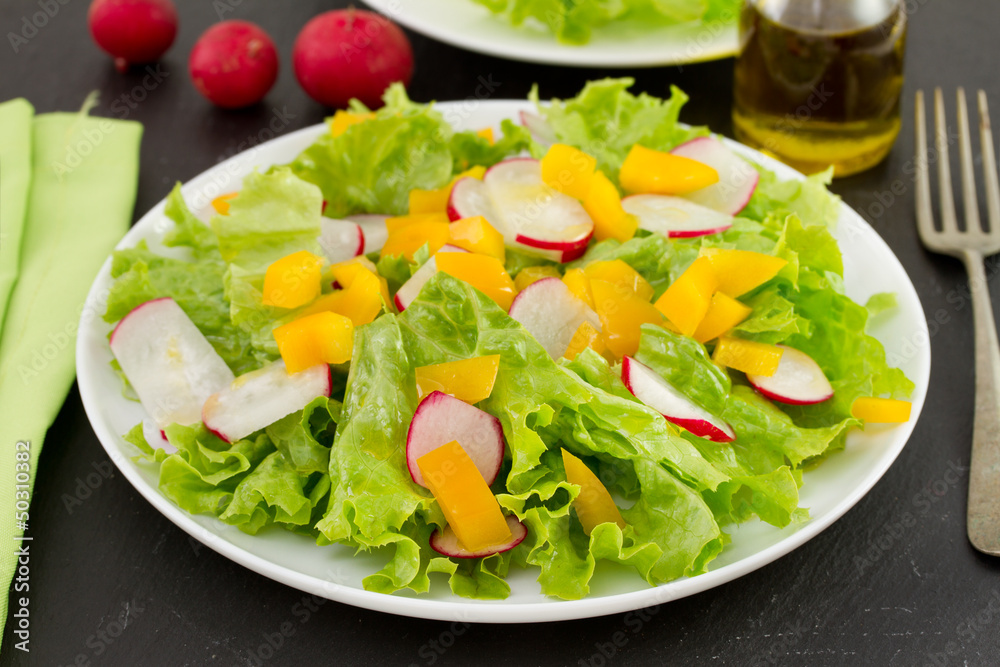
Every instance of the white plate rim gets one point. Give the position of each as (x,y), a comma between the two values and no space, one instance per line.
(474,28)
(459,609)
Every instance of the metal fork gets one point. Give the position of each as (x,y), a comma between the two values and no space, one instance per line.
(970,245)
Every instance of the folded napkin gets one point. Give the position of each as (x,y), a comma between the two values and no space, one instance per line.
(83,178)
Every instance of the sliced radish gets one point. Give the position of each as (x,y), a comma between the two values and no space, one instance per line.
(373,227)
(156,437)
(533,215)
(658,394)
(469,197)
(341,239)
(440,419)
(260,398)
(411,288)
(737,177)
(674,216)
(446,543)
(798,381)
(539,128)
(552,314)
(168,361)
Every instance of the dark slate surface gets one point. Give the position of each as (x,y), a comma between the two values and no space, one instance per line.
(893,582)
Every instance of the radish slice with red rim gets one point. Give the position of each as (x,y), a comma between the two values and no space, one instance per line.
(675,216)
(737,177)
(341,239)
(440,419)
(646,385)
(373,227)
(798,381)
(446,543)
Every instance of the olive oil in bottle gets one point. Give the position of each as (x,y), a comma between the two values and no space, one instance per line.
(817,82)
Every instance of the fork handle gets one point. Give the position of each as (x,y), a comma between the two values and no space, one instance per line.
(984,468)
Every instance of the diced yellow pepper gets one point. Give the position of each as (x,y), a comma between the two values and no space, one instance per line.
(221,203)
(621,313)
(411,238)
(739,271)
(532,274)
(344,272)
(469,380)
(400,221)
(585,336)
(619,273)
(322,338)
(436,201)
(881,410)
(568,170)
(469,506)
(360,301)
(593,504)
(654,172)
(687,300)
(723,314)
(604,206)
(293,280)
(748,356)
(344,119)
(579,284)
(483,272)
(487,134)
(475,234)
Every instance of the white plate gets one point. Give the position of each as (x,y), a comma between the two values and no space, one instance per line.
(471,26)
(333,572)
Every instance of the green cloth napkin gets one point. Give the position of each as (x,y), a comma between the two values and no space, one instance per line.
(15,177)
(83,186)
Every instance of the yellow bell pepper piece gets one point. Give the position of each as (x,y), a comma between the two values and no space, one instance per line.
(687,300)
(484,273)
(881,410)
(411,238)
(621,274)
(487,134)
(361,301)
(469,380)
(604,206)
(579,284)
(568,170)
(221,203)
(655,172)
(593,504)
(344,119)
(533,274)
(345,272)
(464,497)
(739,271)
(400,221)
(748,356)
(436,201)
(585,336)
(621,313)
(293,280)
(475,234)
(322,338)
(723,314)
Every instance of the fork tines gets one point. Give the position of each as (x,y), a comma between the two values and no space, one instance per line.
(950,239)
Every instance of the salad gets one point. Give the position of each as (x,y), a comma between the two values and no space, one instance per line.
(471,352)
(574,22)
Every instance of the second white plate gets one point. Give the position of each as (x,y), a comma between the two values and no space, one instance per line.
(471,26)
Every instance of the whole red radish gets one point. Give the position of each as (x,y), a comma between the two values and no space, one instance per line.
(133,31)
(234,64)
(351,53)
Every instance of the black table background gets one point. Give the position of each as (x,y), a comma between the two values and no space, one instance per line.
(922,596)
